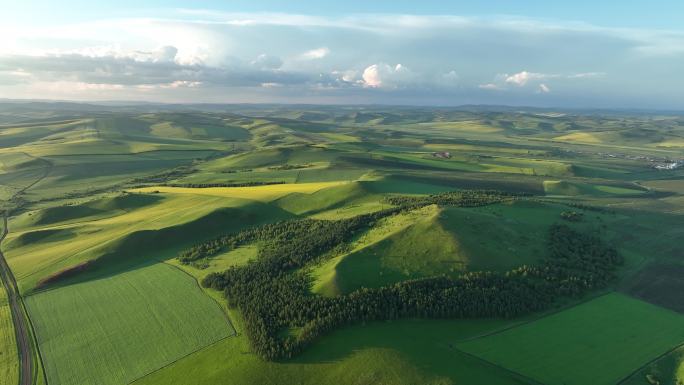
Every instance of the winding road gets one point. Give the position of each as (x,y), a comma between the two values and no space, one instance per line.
(27,361)
(21,327)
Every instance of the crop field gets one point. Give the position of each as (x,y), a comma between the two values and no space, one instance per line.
(667,370)
(260,193)
(598,342)
(660,284)
(9,360)
(114,330)
(397,353)
(125,229)
(320,245)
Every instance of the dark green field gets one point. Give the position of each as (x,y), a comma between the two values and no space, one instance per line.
(375,245)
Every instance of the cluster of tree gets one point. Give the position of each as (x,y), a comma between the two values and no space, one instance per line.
(273,292)
(302,230)
(289,167)
(583,206)
(462,198)
(164,176)
(572,216)
(291,243)
(232,184)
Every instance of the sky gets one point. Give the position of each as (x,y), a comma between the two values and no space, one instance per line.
(576,54)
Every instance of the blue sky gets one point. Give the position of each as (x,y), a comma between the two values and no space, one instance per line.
(566,54)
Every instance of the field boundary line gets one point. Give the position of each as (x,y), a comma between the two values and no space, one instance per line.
(225,314)
(518,375)
(34,338)
(635,372)
(131,153)
(180,358)
(537,317)
(26,340)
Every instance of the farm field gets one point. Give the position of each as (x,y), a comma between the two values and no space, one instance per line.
(666,370)
(9,360)
(283,245)
(399,352)
(119,229)
(114,330)
(597,342)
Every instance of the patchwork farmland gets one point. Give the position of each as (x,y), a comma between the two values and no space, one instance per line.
(315,245)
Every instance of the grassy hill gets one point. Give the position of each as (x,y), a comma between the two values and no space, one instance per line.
(101,201)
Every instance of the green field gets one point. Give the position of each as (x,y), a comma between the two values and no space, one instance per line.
(667,370)
(389,353)
(598,342)
(114,330)
(103,200)
(124,230)
(9,360)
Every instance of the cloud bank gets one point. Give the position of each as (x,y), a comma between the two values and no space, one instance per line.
(206,56)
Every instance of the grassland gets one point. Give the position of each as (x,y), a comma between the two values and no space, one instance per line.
(81,248)
(598,342)
(436,241)
(114,330)
(124,230)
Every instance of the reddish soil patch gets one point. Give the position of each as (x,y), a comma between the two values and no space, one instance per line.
(63,274)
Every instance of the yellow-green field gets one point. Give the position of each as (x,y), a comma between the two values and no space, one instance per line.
(598,342)
(117,329)
(260,193)
(9,360)
(95,228)
(142,231)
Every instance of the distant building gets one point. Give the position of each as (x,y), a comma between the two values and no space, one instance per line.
(669,165)
(442,154)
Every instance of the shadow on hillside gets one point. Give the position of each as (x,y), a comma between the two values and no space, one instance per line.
(146,247)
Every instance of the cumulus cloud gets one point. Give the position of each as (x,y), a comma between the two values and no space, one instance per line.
(543,89)
(318,53)
(449,57)
(382,75)
(156,68)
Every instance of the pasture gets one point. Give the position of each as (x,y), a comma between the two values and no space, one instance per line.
(598,342)
(117,329)
(435,241)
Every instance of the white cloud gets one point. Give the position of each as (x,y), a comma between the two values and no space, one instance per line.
(584,75)
(347,76)
(318,53)
(521,78)
(382,75)
(489,86)
(447,56)
(372,75)
(543,89)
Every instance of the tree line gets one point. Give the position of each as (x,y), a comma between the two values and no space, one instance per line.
(300,230)
(282,317)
